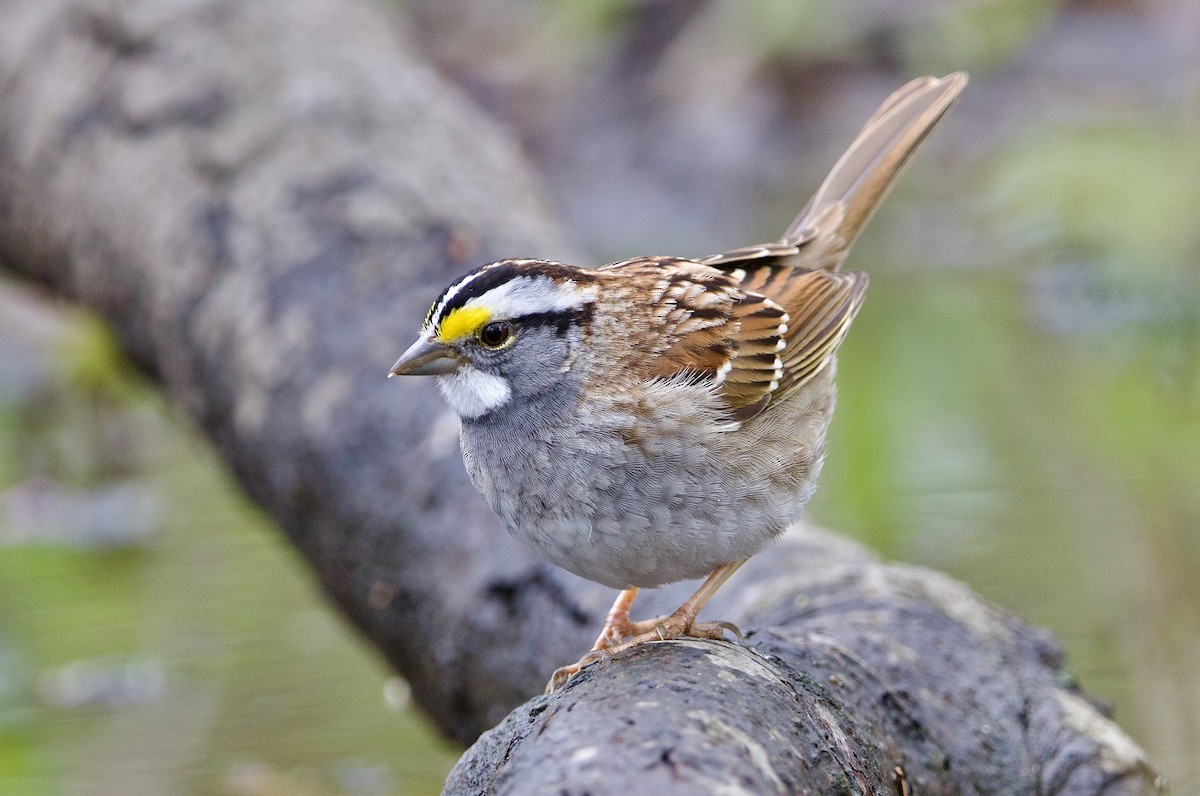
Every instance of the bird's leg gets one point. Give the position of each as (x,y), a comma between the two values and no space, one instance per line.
(682,622)
(617,626)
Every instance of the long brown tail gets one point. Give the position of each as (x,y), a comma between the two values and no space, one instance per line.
(822,234)
(832,220)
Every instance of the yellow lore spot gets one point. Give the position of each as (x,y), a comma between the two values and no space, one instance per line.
(461,322)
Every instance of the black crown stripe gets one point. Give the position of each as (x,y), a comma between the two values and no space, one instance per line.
(495,274)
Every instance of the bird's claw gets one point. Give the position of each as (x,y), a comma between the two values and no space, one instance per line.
(673,627)
(563,674)
(714,630)
(560,677)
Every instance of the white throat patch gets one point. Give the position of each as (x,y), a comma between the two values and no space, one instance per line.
(472,393)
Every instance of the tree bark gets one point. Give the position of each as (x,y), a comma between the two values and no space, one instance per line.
(857,677)
(263,199)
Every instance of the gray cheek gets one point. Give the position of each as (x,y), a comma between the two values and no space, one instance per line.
(534,365)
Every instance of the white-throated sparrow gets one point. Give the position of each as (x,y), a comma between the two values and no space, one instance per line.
(661,419)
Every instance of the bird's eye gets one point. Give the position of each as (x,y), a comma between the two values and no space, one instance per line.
(495,334)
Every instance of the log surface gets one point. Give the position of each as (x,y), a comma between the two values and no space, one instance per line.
(857,677)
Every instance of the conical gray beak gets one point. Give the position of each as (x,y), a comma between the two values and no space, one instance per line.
(426,358)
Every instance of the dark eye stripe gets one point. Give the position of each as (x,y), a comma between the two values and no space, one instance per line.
(561,319)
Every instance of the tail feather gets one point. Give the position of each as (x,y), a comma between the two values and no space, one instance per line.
(827,227)
(832,220)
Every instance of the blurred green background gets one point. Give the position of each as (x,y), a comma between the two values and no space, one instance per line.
(1020,398)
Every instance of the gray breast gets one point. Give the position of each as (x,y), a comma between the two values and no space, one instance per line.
(644,497)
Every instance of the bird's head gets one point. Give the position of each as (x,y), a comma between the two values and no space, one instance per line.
(506,331)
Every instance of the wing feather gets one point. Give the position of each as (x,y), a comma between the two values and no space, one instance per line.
(831,300)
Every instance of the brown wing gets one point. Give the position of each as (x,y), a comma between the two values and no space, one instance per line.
(691,315)
(754,372)
(706,327)
(793,322)
(752,349)
(822,306)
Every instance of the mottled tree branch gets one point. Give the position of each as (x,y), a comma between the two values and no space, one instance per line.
(858,677)
(262,199)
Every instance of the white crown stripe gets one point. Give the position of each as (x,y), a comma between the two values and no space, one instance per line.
(528,295)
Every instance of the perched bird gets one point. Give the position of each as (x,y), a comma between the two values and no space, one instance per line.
(661,419)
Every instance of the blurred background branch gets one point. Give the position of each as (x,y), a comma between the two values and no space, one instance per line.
(1019,400)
